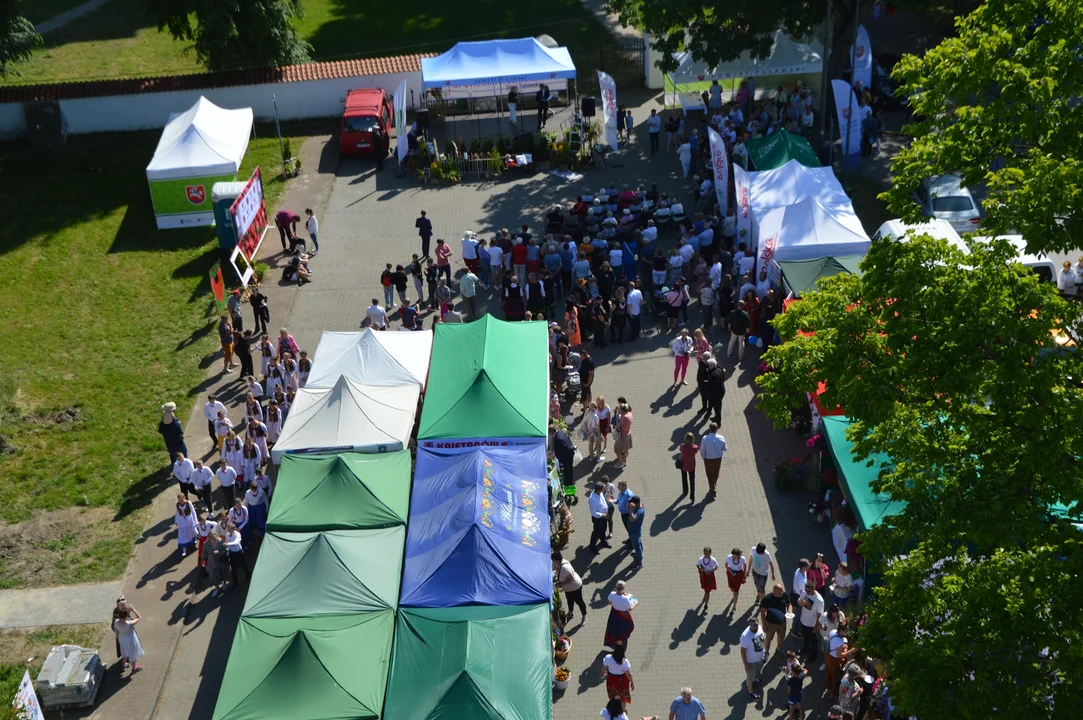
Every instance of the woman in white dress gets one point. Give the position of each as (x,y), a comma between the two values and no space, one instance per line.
(266,354)
(251,458)
(233,453)
(130,648)
(252,408)
(290,372)
(185,516)
(257,431)
(304,367)
(275,380)
(274,423)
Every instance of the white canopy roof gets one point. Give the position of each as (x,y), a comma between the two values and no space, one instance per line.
(808,231)
(792,183)
(497,62)
(349,416)
(204,140)
(372,357)
(787,57)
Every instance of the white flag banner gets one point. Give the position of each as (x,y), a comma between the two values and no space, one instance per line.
(861,57)
(721,165)
(768,231)
(849,121)
(400,120)
(609,108)
(26,703)
(744,206)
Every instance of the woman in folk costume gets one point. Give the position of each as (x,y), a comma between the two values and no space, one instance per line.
(290,372)
(274,423)
(618,675)
(620,625)
(204,529)
(252,408)
(257,431)
(185,517)
(256,503)
(304,368)
(275,380)
(263,482)
(251,458)
(266,354)
(240,518)
(233,453)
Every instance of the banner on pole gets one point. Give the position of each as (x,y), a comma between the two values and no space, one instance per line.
(26,703)
(720,164)
(399,99)
(249,213)
(769,230)
(861,57)
(609,108)
(218,287)
(849,122)
(744,206)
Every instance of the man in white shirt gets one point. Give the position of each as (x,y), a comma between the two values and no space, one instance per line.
(650,233)
(746,285)
(182,470)
(210,411)
(715,273)
(201,480)
(759,564)
(227,478)
(812,606)
(599,516)
(748,263)
(712,447)
(686,251)
(616,257)
(753,642)
(706,238)
(375,316)
(635,306)
(799,580)
(470,250)
(496,263)
(654,127)
(737,117)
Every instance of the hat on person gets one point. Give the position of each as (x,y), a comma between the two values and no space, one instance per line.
(1067,264)
(236,292)
(169,406)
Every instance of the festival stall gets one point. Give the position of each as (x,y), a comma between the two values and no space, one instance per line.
(806,230)
(341,492)
(778,148)
(198,148)
(479,527)
(856,477)
(801,276)
(348,417)
(372,358)
(489,379)
(482,663)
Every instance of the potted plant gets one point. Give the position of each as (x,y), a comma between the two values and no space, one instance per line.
(563,649)
(561,678)
(259,271)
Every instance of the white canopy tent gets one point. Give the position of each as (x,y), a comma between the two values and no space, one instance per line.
(787,57)
(349,416)
(806,230)
(372,357)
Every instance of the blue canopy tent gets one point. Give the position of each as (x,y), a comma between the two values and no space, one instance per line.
(479,528)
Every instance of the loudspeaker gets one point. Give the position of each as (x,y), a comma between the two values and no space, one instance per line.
(44,123)
(422,118)
(587,105)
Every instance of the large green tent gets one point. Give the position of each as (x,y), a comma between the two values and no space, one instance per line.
(341,492)
(318,668)
(476,662)
(857,476)
(488,379)
(778,148)
(802,275)
(338,572)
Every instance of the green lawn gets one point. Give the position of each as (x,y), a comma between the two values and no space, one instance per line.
(105,315)
(121,38)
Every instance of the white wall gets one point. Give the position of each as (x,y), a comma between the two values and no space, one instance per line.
(653,78)
(296,101)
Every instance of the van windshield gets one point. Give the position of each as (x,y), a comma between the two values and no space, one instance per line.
(952,203)
(366,123)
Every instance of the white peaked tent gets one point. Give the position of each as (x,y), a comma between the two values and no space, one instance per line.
(787,57)
(349,416)
(372,357)
(808,231)
(792,183)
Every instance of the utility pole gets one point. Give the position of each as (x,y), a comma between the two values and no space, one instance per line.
(825,82)
(278,131)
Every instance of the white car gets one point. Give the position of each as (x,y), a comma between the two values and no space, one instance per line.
(944,197)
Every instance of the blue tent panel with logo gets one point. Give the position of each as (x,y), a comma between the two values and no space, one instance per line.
(479,528)
(493,62)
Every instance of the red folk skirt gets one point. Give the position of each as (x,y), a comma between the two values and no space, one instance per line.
(619,686)
(707,580)
(619,627)
(199,552)
(735,579)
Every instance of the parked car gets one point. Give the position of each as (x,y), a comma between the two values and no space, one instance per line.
(366,110)
(945,198)
(1039,263)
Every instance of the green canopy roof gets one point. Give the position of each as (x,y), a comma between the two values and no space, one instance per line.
(487,379)
(778,148)
(476,662)
(339,572)
(341,492)
(857,476)
(802,275)
(323,668)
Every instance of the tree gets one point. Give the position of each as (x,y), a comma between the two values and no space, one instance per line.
(231,34)
(947,362)
(18,38)
(1006,90)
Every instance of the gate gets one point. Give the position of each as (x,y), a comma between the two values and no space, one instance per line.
(620,57)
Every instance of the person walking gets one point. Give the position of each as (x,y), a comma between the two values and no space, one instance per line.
(736,576)
(614,710)
(636,514)
(184,515)
(687,706)
(774,608)
(620,625)
(225,337)
(424,231)
(836,652)
(204,529)
(712,446)
(201,482)
(635,308)
(800,577)
(617,670)
(622,425)
(215,558)
(850,689)
(812,607)
(261,314)
(687,464)
(739,324)
(599,515)
(707,566)
(795,682)
(716,390)
(172,432)
(242,348)
(592,433)
(237,560)
(312,227)
(702,368)
(564,450)
(572,584)
(399,281)
(468,285)
(682,351)
(760,563)
(227,479)
(131,650)
(753,643)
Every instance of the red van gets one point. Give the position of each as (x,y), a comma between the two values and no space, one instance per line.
(366,109)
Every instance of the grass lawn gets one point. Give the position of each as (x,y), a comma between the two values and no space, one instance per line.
(18,646)
(104,319)
(121,38)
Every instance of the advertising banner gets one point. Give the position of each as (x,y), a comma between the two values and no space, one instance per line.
(861,59)
(471,444)
(26,703)
(401,130)
(770,229)
(744,206)
(249,213)
(609,108)
(849,122)
(218,287)
(720,164)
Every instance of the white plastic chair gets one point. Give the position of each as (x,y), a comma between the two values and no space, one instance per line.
(678,213)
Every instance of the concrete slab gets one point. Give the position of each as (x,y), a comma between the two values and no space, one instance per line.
(72,605)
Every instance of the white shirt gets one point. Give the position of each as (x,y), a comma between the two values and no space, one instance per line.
(753,644)
(717,120)
(705,186)
(807,118)
(715,274)
(809,615)
(683,345)
(226,476)
(496,255)
(616,258)
(729,226)
(377,316)
(254,497)
(654,124)
(238,516)
(620,602)
(598,505)
(470,248)
(211,410)
(568,578)
(201,477)
(684,152)
(712,446)
(312,225)
(635,301)
(650,234)
(736,567)
(615,668)
(1066,282)
(761,564)
(205,529)
(762,287)
(182,470)
(708,565)
(686,252)
(747,263)
(233,542)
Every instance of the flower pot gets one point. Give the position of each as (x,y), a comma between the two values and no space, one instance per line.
(561,684)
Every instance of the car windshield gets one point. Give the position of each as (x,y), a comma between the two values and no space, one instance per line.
(367,123)
(953,203)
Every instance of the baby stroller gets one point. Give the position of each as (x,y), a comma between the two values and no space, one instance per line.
(657,307)
(573,384)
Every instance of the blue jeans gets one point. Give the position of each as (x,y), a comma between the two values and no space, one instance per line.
(389,296)
(315,243)
(637,547)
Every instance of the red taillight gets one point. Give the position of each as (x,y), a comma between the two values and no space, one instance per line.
(975,221)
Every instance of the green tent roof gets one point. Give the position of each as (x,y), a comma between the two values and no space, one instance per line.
(339,572)
(476,662)
(802,275)
(857,476)
(488,378)
(778,148)
(341,492)
(324,668)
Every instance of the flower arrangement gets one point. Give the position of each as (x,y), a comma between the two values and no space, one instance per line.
(562,674)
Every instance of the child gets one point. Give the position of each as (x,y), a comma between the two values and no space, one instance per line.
(791,660)
(707,566)
(794,684)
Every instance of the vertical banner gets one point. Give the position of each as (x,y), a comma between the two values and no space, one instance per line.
(399,99)
(770,228)
(609,108)
(218,287)
(849,122)
(26,703)
(744,206)
(249,213)
(861,59)
(721,165)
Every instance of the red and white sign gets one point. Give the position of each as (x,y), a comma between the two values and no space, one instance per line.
(197,194)
(249,213)
(609,108)
(720,164)
(744,205)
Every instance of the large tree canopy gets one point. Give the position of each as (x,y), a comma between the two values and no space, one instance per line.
(947,362)
(1007,91)
(18,38)
(230,34)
